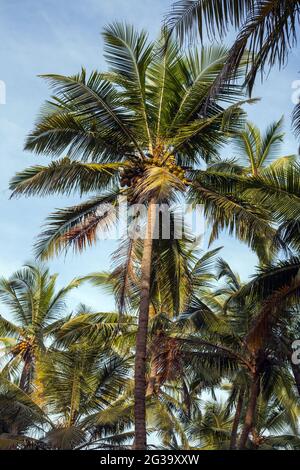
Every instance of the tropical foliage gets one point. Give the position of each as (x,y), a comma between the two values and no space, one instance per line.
(266,29)
(219,374)
(192,357)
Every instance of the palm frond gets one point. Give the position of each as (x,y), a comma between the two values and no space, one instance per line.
(77,225)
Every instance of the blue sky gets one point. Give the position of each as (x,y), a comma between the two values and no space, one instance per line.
(55,36)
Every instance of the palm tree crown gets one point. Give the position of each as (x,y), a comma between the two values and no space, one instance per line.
(36,308)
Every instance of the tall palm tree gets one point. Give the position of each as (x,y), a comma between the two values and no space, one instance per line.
(267,29)
(138,131)
(36,308)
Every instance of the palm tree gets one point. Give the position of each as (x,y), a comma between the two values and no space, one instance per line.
(86,387)
(36,308)
(138,131)
(267,30)
(250,344)
(275,291)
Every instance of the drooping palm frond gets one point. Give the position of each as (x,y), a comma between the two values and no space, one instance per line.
(272,277)
(92,327)
(64,176)
(289,232)
(211,17)
(226,208)
(19,414)
(276,189)
(85,97)
(267,29)
(77,225)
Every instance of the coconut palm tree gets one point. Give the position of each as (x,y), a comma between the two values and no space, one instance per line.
(250,345)
(138,131)
(86,401)
(270,333)
(267,29)
(36,308)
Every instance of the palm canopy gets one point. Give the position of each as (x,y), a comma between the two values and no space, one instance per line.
(249,344)
(257,150)
(82,386)
(267,30)
(138,130)
(84,400)
(36,308)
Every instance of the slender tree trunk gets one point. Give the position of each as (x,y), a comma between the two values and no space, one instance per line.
(140,440)
(24,383)
(251,409)
(236,421)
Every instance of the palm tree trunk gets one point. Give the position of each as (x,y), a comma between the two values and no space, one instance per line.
(140,440)
(236,421)
(24,383)
(250,413)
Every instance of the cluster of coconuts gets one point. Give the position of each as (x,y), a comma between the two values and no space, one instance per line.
(130,176)
(176,170)
(22,347)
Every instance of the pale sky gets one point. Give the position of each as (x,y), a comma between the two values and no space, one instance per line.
(54,36)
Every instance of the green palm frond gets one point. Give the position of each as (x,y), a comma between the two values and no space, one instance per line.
(210,17)
(86,97)
(64,176)
(77,225)
(128,56)
(65,438)
(267,30)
